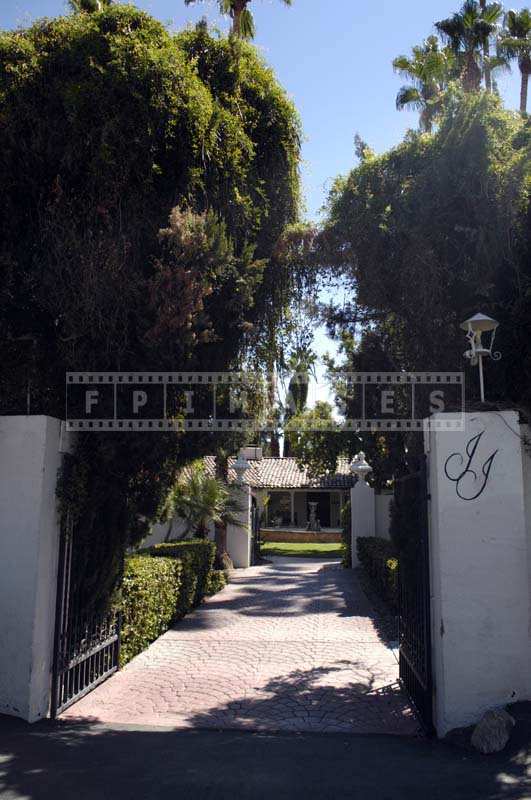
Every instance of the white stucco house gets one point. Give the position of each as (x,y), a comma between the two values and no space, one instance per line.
(283,491)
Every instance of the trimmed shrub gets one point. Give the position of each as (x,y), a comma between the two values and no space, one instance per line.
(160,585)
(197,557)
(379,560)
(148,601)
(216,581)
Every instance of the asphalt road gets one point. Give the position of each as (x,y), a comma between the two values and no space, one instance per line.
(52,761)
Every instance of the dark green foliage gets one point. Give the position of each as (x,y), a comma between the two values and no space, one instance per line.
(404,523)
(197,557)
(145,180)
(426,235)
(108,123)
(216,580)
(378,558)
(149,598)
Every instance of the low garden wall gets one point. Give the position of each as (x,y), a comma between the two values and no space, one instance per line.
(300,536)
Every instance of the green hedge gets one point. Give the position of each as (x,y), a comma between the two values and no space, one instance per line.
(379,560)
(148,599)
(216,581)
(160,585)
(197,556)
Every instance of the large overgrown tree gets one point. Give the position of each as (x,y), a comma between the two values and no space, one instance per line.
(146,178)
(428,234)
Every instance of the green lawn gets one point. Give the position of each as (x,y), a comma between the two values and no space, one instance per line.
(302,549)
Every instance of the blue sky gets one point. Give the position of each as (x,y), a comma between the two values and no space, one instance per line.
(334,59)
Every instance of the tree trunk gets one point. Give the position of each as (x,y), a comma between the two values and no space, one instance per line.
(238,7)
(169,532)
(488,79)
(202,531)
(471,75)
(523,92)
(486,54)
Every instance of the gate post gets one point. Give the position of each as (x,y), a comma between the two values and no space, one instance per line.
(239,536)
(362,513)
(479,553)
(30,456)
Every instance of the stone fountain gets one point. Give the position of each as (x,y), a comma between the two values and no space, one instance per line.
(313,521)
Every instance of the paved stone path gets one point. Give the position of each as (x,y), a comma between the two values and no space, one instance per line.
(291,645)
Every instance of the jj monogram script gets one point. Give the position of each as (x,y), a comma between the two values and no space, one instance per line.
(468,473)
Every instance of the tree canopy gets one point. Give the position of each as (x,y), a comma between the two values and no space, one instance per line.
(426,235)
(146,179)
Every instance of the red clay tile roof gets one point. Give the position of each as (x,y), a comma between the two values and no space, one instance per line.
(284,473)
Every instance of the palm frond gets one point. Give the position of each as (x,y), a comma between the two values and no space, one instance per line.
(247,28)
(402,65)
(408,97)
(492,13)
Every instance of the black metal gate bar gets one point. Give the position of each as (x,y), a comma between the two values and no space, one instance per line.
(256,542)
(86,644)
(415,668)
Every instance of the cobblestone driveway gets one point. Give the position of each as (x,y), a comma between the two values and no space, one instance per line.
(291,645)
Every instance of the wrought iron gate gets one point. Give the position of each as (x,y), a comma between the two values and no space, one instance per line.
(86,642)
(256,542)
(411,499)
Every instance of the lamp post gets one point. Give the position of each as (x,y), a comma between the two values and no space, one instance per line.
(475,327)
(359,466)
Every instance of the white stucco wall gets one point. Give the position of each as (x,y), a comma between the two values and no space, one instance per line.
(382,506)
(526,464)
(29,542)
(479,570)
(362,515)
(160,530)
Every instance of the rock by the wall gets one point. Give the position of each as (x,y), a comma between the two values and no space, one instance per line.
(492,732)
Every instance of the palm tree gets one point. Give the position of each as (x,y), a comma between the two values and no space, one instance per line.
(429,69)
(486,54)
(515,43)
(468,33)
(301,364)
(199,500)
(238,11)
(89,6)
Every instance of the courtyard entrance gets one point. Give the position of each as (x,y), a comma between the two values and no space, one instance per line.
(293,645)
